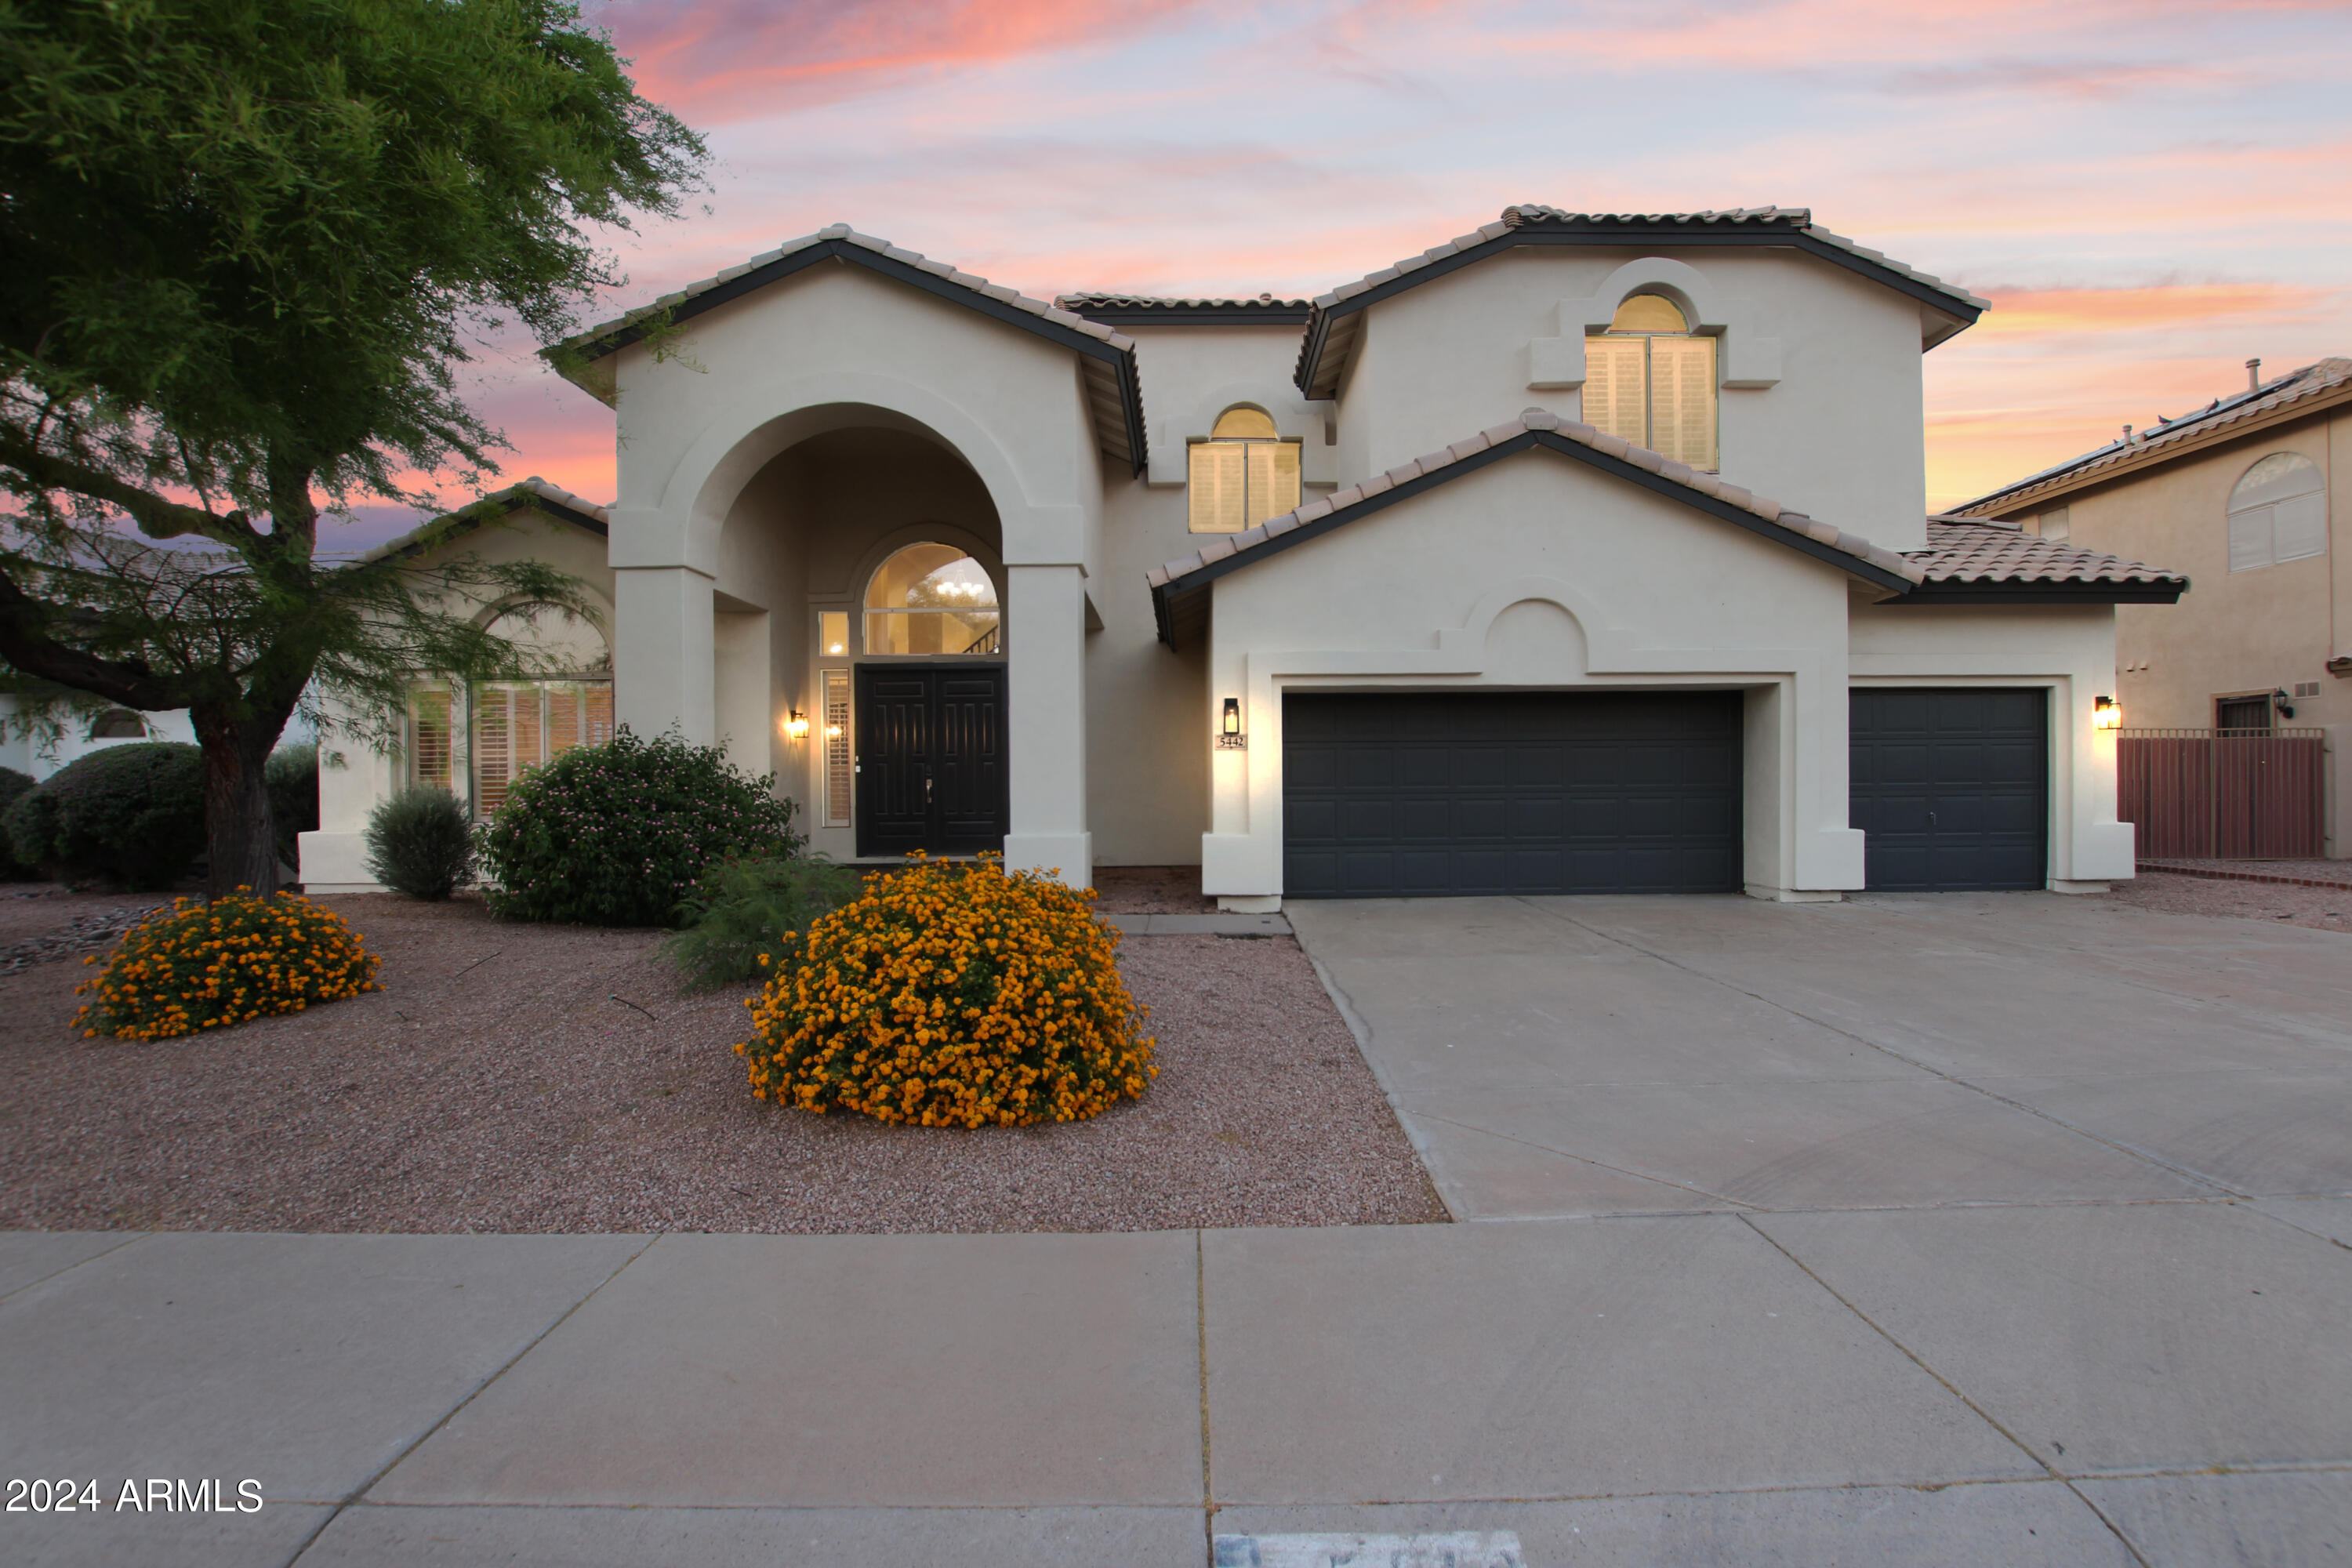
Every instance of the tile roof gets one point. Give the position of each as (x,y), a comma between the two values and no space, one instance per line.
(1185,576)
(1796,219)
(2288,397)
(1971,550)
(1107,356)
(1092,304)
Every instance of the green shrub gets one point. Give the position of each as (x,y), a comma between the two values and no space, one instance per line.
(13,785)
(131,814)
(618,833)
(745,918)
(420,842)
(292,776)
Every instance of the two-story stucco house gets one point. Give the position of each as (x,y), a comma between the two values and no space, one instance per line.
(1581,553)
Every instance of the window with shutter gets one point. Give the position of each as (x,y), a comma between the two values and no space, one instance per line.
(2278,512)
(838,784)
(1650,381)
(1243,474)
(518,724)
(429,736)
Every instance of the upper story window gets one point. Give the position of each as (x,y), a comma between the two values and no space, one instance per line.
(117,724)
(1649,381)
(930,599)
(1243,474)
(2278,513)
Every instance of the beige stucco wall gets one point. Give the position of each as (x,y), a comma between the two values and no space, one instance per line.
(1538,571)
(2067,649)
(2234,633)
(1838,433)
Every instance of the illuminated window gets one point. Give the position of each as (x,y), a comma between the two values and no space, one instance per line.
(1649,381)
(518,724)
(429,735)
(839,784)
(1243,474)
(2278,513)
(833,633)
(931,599)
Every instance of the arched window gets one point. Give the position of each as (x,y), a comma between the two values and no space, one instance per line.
(519,724)
(2278,513)
(117,724)
(1650,380)
(1243,474)
(931,599)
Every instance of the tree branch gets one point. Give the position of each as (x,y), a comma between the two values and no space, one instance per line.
(156,518)
(27,645)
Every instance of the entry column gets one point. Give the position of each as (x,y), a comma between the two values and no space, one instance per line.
(664,662)
(1045,729)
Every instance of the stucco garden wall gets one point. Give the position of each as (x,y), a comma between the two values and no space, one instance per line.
(1537,571)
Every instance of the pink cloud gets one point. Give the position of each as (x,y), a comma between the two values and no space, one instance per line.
(717,61)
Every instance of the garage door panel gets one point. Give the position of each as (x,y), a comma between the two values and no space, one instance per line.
(1527,793)
(1950,786)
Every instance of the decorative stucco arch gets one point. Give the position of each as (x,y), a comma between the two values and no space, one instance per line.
(675,519)
(1749,360)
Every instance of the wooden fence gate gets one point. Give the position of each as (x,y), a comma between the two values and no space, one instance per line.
(2223,794)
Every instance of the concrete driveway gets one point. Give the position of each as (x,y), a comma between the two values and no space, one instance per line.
(1574,1056)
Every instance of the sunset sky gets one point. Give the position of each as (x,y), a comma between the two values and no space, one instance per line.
(2150,193)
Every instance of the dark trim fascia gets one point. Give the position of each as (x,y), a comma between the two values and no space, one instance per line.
(1201,577)
(1197,316)
(1319,323)
(2045,593)
(1130,384)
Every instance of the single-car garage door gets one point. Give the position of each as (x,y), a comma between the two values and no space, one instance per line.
(1430,793)
(1951,785)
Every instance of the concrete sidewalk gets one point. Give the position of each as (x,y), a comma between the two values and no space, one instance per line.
(2166,1382)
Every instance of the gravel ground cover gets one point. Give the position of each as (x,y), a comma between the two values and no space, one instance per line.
(521,1077)
(2323,909)
(2337,871)
(1150,891)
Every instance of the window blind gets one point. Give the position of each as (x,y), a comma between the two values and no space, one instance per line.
(837,781)
(1617,388)
(1682,400)
(1272,480)
(429,736)
(1219,481)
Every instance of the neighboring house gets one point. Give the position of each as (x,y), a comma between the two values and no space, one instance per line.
(79,735)
(2244,495)
(1347,597)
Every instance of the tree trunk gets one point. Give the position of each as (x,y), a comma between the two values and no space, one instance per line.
(239,838)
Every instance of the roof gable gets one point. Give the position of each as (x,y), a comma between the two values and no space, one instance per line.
(533,494)
(1114,391)
(1179,590)
(1336,319)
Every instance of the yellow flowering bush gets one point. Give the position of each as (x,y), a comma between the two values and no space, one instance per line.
(951,995)
(197,966)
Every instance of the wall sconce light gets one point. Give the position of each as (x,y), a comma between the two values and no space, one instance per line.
(796,726)
(2106,713)
(2283,703)
(1229,729)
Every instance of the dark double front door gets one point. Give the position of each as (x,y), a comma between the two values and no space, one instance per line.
(931,766)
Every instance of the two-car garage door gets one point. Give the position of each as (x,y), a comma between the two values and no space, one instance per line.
(1432,793)
(1540,792)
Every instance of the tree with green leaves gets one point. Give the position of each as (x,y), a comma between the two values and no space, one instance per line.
(247,245)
